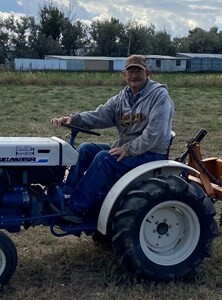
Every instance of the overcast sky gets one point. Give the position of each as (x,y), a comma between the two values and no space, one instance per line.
(175,16)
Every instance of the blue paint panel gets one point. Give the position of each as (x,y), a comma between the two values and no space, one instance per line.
(76,65)
(118,65)
(23,64)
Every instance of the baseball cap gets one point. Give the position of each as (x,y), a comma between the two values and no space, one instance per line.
(136,61)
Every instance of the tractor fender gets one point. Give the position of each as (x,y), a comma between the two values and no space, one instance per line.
(125,183)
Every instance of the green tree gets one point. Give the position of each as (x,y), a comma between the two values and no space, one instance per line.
(181,44)
(213,41)
(163,44)
(45,45)
(201,41)
(51,22)
(75,38)
(107,38)
(219,50)
(20,31)
(4,37)
(2,54)
(140,38)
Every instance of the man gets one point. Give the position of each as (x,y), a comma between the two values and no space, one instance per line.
(142,113)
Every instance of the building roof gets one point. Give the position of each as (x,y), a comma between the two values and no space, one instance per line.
(200,55)
(163,57)
(84,57)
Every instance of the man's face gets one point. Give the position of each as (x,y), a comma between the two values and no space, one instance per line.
(136,77)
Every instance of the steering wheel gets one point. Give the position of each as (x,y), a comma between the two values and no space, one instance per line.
(77,129)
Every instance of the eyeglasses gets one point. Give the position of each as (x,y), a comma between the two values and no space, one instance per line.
(134,70)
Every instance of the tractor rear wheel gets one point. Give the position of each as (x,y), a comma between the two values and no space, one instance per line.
(102,240)
(8,258)
(164,229)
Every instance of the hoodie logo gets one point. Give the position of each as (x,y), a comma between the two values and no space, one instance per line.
(127,119)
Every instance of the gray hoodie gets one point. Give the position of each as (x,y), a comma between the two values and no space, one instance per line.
(146,126)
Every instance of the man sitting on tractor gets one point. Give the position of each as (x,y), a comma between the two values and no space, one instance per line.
(142,113)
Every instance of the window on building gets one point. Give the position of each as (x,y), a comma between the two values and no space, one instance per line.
(178,62)
(158,63)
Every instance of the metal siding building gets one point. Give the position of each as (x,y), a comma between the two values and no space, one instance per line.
(96,65)
(77,65)
(163,63)
(199,62)
(217,64)
(26,64)
(157,63)
(92,63)
(118,64)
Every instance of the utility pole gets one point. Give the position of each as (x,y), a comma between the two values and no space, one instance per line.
(129,45)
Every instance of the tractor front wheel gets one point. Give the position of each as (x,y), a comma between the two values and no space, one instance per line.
(164,229)
(8,258)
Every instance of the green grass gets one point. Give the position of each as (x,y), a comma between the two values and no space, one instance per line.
(75,268)
(106,78)
(61,78)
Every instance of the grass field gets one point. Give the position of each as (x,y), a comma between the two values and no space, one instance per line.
(75,268)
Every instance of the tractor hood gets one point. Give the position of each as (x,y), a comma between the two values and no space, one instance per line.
(36,151)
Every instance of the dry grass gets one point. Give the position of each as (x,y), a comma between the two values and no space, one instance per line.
(75,268)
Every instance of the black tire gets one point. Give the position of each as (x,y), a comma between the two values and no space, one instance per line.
(8,258)
(164,229)
(103,241)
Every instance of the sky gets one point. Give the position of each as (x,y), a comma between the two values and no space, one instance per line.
(176,17)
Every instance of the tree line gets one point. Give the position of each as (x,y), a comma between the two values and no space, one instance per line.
(55,33)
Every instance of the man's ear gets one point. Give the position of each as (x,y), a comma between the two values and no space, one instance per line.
(148,72)
(124,74)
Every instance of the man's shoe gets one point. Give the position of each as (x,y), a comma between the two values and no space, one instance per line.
(70,215)
(56,196)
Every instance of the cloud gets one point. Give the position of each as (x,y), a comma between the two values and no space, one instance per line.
(175,16)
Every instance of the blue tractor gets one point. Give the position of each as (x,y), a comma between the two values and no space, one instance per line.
(159,223)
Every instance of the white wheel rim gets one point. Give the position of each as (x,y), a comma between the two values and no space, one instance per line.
(169,233)
(2,262)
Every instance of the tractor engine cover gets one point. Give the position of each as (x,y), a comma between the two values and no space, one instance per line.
(36,151)
(33,160)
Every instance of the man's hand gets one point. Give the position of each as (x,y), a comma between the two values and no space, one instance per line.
(59,121)
(119,151)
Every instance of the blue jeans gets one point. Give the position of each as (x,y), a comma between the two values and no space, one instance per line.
(94,169)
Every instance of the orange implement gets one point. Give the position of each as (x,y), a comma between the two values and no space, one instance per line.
(210,177)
